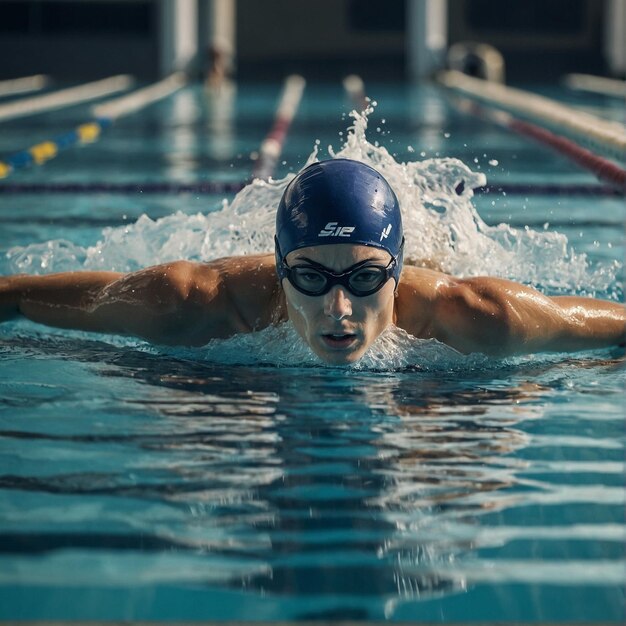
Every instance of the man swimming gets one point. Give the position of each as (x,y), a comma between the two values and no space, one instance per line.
(341,282)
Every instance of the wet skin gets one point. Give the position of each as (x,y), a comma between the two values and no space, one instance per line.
(189,304)
(339,326)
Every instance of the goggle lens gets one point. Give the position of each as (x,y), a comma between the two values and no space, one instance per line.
(361,281)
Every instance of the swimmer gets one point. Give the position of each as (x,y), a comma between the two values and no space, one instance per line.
(337,275)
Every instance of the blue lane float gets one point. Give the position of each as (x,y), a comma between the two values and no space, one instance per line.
(104,115)
(46,150)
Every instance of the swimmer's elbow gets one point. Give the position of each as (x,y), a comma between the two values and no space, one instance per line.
(499,318)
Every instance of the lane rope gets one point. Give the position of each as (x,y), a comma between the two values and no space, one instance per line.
(596,84)
(217,187)
(272,145)
(46,150)
(89,132)
(140,98)
(604,169)
(23,85)
(605,136)
(64,97)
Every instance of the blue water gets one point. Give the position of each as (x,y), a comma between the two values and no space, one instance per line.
(139,483)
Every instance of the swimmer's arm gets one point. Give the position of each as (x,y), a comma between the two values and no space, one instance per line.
(179,303)
(500,318)
(61,299)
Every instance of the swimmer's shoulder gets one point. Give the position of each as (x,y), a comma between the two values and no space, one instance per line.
(422,282)
(246,288)
(260,265)
(417,297)
(469,314)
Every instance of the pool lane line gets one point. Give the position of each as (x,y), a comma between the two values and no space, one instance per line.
(64,97)
(123,188)
(548,189)
(217,187)
(596,84)
(140,98)
(272,146)
(605,136)
(23,85)
(89,132)
(355,88)
(603,169)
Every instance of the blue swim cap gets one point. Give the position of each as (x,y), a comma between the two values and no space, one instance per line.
(338,201)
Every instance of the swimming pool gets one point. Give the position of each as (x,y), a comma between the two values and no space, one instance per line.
(243,481)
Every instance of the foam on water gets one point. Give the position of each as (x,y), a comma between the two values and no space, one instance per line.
(442,227)
(281,346)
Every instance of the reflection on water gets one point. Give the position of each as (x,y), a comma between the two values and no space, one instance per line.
(340,473)
(301,483)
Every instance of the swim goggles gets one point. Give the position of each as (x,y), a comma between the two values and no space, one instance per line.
(361,279)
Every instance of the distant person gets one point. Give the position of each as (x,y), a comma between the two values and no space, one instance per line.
(477,59)
(336,275)
(218,66)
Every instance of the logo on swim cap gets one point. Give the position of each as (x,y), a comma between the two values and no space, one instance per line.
(338,201)
(332,229)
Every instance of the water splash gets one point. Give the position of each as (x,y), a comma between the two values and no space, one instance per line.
(442,227)
(395,349)
(444,230)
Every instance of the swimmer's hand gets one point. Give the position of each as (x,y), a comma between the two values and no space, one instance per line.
(178,303)
(502,318)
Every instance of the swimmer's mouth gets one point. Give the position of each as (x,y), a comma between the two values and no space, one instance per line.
(339,341)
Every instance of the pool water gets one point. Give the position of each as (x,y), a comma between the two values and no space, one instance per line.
(244,480)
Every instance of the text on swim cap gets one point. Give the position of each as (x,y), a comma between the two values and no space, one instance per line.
(332,229)
(385,232)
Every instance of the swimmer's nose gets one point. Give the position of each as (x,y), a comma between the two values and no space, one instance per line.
(337,304)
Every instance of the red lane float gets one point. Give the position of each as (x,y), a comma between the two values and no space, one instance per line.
(604,169)
(272,145)
(605,137)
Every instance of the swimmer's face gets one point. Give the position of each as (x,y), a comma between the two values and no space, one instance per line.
(338,325)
